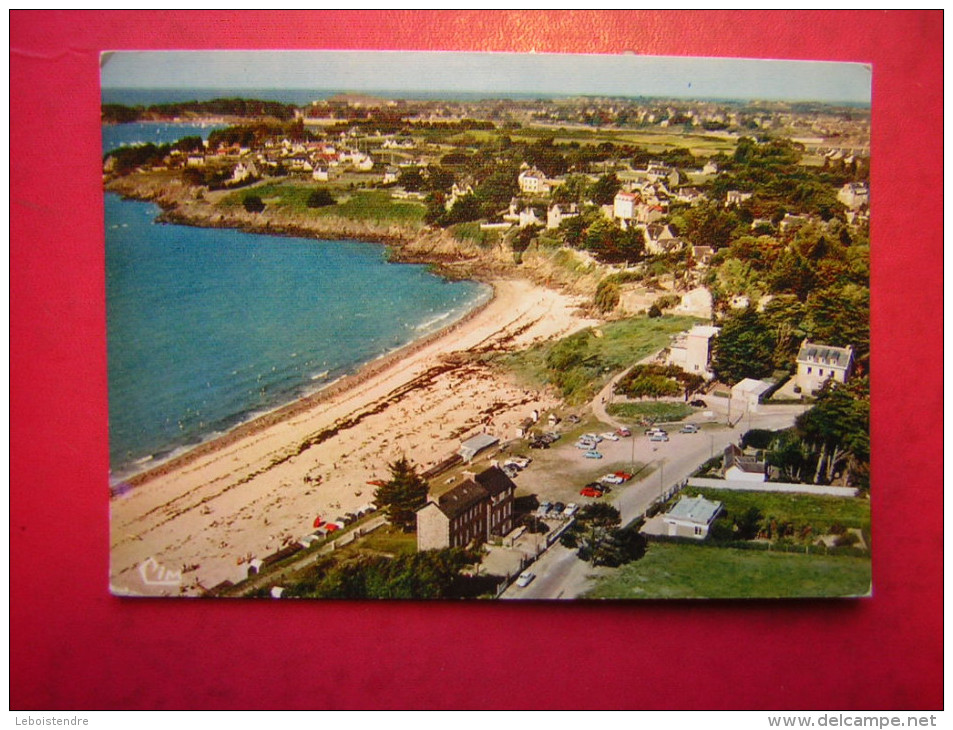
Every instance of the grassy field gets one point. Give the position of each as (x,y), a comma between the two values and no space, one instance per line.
(359,205)
(689,571)
(656,411)
(801,510)
(609,349)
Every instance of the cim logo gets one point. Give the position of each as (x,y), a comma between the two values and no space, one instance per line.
(154,574)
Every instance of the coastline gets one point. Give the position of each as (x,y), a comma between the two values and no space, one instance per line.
(299,405)
(209,510)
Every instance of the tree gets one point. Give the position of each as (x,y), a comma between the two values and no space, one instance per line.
(402,495)
(604,189)
(320,198)
(411,179)
(253,204)
(743,349)
(838,429)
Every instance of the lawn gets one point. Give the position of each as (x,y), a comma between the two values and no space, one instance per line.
(821,512)
(690,571)
(608,349)
(360,205)
(656,411)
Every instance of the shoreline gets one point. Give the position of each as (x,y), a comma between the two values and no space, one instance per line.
(301,404)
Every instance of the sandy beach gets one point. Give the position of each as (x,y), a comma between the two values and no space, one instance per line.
(260,487)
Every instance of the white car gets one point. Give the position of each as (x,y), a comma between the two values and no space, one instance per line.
(520,462)
(525,579)
(611,479)
(543,509)
(591,437)
(571,509)
(609,436)
(689,428)
(658,437)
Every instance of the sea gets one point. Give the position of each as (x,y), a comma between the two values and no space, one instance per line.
(208,328)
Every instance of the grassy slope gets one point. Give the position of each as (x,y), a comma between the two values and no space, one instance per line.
(361,205)
(689,571)
(622,344)
(799,509)
(658,411)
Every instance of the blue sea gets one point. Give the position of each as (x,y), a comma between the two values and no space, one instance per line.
(136,133)
(208,327)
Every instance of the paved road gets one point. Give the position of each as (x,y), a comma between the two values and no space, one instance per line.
(560,574)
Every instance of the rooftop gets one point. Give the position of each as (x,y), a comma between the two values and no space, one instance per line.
(695,509)
(825,354)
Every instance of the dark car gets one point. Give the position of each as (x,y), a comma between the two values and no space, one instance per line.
(698,403)
(538,444)
(558,508)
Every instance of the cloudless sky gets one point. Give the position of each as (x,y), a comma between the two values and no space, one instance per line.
(569,74)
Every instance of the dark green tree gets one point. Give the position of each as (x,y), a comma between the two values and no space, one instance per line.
(402,495)
(743,349)
(253,204)
(604,189)
(320,198)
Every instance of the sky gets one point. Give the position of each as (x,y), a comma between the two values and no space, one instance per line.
(546,74)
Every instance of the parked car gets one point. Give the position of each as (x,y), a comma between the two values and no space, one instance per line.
(573,418)
(590,492)
(537,444)
(525,579)
(609,436)
(655,429)
(597,455)
(592,437)
(571,509)
(623,432)
(583,444)
(689,428)
(698,403)
(511,470)
(623,475)
(558,509)
(520,462)
(610,479)
(659,437)
(543,509)
(551,437)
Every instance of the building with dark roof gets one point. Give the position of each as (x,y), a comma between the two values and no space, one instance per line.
(817,363)
(471,512)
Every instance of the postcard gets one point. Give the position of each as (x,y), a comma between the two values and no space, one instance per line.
(504,326)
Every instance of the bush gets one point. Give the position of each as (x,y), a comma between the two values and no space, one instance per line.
(253,204)
(320,199)
(654,311)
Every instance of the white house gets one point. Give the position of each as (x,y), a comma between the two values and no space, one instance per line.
(691,351)
(735,197)
(533,181)
(556,214)
(739,467)
(623,205)
(750,391)
(691,517)
(817,363)
(854,195)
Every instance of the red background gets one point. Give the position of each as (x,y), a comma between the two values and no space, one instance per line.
(74,646)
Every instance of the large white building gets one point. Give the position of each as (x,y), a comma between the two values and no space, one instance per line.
(691,351)
(817,363)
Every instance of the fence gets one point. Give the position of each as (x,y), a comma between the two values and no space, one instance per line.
(741,486)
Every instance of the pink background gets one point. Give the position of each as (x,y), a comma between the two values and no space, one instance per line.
(74,646)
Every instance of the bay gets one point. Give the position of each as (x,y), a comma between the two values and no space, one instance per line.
(136,133)
(208,327)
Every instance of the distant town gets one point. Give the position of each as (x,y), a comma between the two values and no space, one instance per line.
(667,398)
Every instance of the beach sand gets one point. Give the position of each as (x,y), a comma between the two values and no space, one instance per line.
(260,487)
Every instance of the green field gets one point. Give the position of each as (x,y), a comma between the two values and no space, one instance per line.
(359,205)
(689,571)
(801,510)
(609,349)
(656,411)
